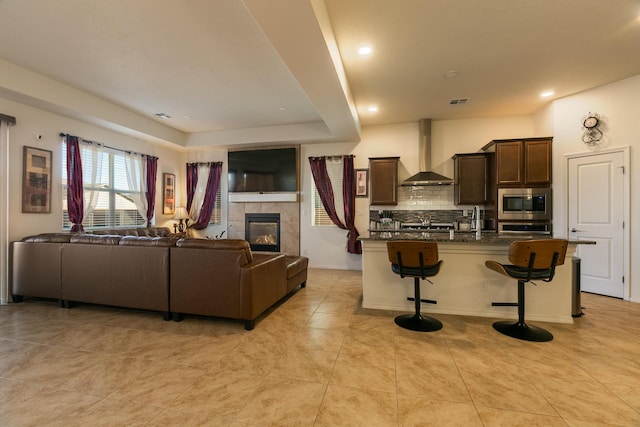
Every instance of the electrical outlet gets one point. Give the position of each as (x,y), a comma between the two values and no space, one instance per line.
(484,287)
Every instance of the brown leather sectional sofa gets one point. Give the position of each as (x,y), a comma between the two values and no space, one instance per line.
(150,269)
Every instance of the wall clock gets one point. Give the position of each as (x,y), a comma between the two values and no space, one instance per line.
(592,134)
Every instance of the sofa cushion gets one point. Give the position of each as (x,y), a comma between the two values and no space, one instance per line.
(135,231)
(164,242)
(95,239)
(219,244)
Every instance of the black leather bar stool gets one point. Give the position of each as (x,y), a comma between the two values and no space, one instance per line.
(417,259)
(530,260)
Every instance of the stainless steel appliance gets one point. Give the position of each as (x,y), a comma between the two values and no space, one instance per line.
(524,204)
(533,228)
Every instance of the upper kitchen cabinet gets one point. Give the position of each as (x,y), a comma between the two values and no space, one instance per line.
(522,162)
(473,178)
(383,176)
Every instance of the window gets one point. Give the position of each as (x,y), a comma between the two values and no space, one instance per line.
(114,206)
(319,216)
(216,213)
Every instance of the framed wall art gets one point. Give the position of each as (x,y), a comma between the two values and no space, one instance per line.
(36,180)
(169,194)
(362,182)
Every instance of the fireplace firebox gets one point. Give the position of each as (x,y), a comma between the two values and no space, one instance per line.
(262,231)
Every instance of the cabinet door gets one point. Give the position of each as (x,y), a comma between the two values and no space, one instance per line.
(384,181)
(471,175)
(509,163)
(537,166)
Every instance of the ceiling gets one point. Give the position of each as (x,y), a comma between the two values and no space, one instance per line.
(237,72)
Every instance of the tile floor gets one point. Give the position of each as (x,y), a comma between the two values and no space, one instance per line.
(317,359)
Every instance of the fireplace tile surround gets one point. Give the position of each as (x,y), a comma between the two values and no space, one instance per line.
(289,221)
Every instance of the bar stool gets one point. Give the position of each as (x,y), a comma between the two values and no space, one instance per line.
(530,259)
(417,259)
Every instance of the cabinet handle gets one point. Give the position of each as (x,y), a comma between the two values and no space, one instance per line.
(575,230)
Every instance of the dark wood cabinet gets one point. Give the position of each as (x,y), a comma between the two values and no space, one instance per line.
(383,184)
(537,166)
(522,162)
(473,178)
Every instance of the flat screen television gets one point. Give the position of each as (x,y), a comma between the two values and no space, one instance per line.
(270,170)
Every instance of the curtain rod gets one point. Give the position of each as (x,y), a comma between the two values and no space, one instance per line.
(333,156)
(9,120)
(204,163)
(106,146)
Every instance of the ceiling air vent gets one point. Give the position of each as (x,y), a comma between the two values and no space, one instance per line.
(459,101)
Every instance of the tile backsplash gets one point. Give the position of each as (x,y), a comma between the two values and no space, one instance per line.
(433,197)
(414,202)
(437,197)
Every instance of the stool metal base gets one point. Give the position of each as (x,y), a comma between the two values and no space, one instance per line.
(417,322)
(522,331)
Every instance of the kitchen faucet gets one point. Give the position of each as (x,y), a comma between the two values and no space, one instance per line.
(475,221)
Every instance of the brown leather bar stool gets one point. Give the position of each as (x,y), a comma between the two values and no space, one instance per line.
(530,260)
(417,259)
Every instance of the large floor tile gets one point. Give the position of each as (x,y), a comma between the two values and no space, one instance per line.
(317,358)
(350,406)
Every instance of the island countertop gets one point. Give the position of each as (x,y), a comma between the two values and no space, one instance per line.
(487,237)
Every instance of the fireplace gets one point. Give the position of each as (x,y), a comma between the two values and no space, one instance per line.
(262,231)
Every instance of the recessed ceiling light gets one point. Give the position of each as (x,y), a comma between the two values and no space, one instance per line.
(186,117)
(547,94)
(450,74)
(282,108)
(365,50)
(372,109)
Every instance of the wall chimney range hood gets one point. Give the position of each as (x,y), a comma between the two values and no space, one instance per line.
(425,176)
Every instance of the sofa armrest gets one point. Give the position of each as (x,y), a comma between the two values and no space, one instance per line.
(35,269)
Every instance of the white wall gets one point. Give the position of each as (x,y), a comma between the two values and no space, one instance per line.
(32,121)
(619,110)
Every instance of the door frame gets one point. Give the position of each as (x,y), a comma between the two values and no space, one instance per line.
(626,209)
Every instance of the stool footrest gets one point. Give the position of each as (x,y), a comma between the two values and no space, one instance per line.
(428,301)
(504,304)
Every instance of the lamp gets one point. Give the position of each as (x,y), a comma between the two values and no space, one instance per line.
(181,214)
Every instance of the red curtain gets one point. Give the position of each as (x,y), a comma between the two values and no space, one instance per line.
(349,197)
(192,180)
(150,194)
(75,190)
(325,190)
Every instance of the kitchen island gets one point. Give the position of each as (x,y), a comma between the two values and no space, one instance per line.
(464,286)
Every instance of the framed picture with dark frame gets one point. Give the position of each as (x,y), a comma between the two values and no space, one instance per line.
(169,194)
(362,182)
(36,180)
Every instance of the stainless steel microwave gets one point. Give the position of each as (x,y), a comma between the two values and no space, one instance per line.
(530,204)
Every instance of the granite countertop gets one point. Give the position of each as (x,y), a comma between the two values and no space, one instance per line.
(458,237)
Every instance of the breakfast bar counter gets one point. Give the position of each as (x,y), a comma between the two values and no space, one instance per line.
(464,286)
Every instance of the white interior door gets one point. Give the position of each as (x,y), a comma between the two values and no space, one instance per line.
(596,212)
